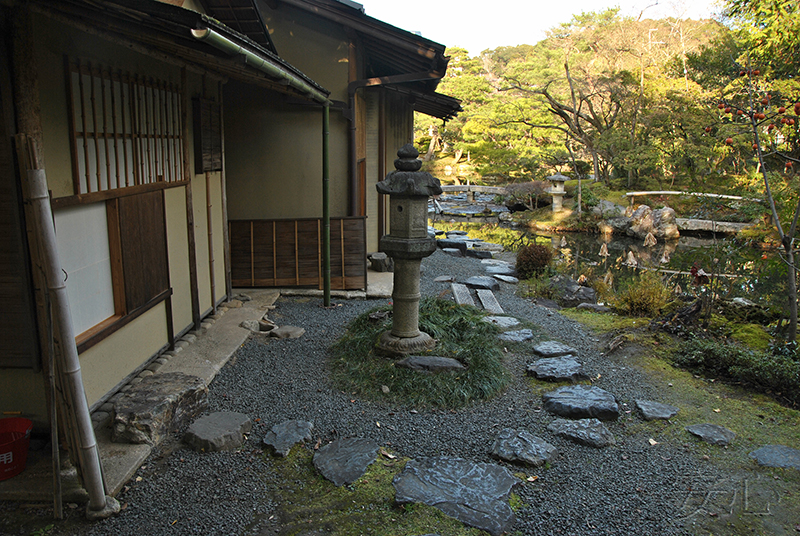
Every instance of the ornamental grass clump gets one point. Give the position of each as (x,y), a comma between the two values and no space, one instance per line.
(532,260)
(460,333)
(645,296)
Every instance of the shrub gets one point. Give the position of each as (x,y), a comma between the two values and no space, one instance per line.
(778,372)
(533,259)
(646,296)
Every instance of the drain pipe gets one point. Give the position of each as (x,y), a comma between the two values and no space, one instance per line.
(100,505)
(224,44)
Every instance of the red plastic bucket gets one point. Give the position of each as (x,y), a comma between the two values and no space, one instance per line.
(15,436)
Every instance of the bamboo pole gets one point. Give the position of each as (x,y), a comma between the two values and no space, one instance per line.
(100,505)
(326,211)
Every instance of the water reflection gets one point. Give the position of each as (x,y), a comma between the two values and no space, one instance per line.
(734,269)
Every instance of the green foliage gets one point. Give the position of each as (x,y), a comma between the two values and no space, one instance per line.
(533,259)
(645,296)
(776,372)
(460,334)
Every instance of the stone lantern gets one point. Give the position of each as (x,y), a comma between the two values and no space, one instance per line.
(407,243)
(557,190)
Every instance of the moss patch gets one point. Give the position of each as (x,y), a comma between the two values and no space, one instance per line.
(309,504)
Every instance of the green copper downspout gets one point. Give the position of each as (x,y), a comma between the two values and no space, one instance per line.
(326,215)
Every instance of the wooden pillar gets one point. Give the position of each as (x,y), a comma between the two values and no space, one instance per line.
(187,175)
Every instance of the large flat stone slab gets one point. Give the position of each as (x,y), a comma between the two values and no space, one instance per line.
(474,493)
(777,456)
(157,406)
(344,461)
(219,431)
(712,433)
(283,436)
(588,432)
(522,446)
(489,301)
(581,402)
(557,369)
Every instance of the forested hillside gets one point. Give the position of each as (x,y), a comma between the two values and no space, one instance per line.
(631,102)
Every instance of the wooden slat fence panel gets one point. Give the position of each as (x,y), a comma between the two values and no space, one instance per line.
(288,253)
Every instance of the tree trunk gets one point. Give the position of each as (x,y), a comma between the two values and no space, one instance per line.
(791,290)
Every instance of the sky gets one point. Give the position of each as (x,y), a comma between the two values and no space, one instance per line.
(480,25)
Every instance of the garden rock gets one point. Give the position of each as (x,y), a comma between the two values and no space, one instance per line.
(712,433)
(556,369)
(474,493)
(777,456)
(588,432)
(479,253)
(595,307)
(453,252)
(548,304)
(522,446)
(483,282)
(655,410)
(344,461)
(157,406)
(282,437)
(219,431)
(447,243)
(569,293)
(381,262)
(553,349)
(516,336)
(661,222)
(581,401)
(506,279)
(287,332)
(430,363)
(608,209)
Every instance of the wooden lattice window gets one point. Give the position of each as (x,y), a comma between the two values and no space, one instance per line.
(207,135)
(126,129)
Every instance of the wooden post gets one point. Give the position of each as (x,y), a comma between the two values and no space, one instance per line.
(187,175)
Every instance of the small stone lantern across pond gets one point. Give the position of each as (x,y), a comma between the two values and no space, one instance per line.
(407,243)
(557,190)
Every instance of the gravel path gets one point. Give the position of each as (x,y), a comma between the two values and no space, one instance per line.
(629,489)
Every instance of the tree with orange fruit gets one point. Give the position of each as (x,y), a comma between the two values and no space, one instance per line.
(772,122)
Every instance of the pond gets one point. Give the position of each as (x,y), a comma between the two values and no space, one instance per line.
(738,270)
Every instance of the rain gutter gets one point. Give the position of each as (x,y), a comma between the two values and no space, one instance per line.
(224,44)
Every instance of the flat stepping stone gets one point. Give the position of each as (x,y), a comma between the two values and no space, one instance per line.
(655,410)
(287,332)
(553,349)
(449,243)
(556,369)
(483,281)
(430,363)
(474,493)
(588,432)
(712,433)
(500,270)
(516,336)
(157,406)
(219,431)
(344,461)
(453,252)
(777,456)
(489,246)
(461,294)
(455,233)
(581,402)
(511,280)
(502,321)
(522,446)
(595,307)
(445,279)
(478,253)
(496,262)
(282,437)
(489,301)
